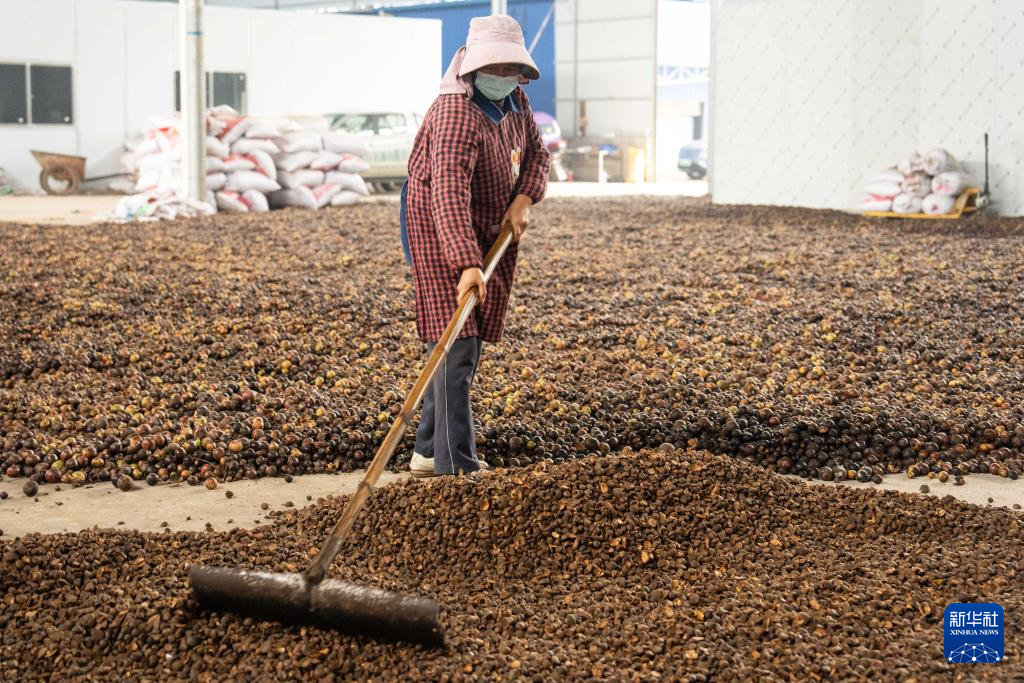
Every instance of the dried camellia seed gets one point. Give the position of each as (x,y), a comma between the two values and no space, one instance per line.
(30,488)
(125,483)
(210,483)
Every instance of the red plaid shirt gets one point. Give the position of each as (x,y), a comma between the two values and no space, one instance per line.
(464,171)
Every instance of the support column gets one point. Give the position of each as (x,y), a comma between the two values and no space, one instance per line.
(193,100)
(499,6)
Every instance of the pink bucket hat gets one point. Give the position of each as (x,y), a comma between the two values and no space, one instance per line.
(496,39)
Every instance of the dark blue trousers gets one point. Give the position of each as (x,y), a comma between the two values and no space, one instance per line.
(446,421)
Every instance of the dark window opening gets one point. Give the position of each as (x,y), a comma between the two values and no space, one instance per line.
(221,88)
(229,89)
(13,94)
(51,94)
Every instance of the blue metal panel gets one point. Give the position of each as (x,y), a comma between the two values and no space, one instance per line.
(530,14)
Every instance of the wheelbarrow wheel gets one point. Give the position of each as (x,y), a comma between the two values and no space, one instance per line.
(59,179)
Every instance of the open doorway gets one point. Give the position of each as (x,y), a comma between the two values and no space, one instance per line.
(684,59)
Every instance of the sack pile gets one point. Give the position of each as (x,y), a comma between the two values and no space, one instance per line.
(919,184)
(252,164)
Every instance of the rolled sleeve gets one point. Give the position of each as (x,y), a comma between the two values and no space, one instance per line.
(453,156)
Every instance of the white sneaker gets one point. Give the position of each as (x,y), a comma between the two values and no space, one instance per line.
(421,466)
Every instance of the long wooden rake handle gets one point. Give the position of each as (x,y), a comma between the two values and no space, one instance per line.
(332,545)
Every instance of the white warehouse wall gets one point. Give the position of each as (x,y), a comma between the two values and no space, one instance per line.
(124,54)
(613,68)
(812,97)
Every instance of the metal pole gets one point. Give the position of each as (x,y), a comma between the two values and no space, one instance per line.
(499,6)
(193,100)
(576,66)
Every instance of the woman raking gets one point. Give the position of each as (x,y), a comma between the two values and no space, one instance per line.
(477,164)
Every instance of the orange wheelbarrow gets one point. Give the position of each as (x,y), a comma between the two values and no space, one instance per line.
(64,173)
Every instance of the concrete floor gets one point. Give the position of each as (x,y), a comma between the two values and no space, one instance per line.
(47,209)
(83,209)
(190,508)
(180,506)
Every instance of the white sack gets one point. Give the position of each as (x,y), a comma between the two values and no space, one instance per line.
(214,126)
(348,181)
(293,161)
(216,181)
(936,204)
(216,148)
(248,146)
(238,163)
(231,201)
(301,197)
(883,190)
(915,162)
(906,203)
(345,198)
(300,141)
(251,180)
(324,194)
(148,180)
(939,161)
(170,181)
(950,183)
(235,129)
(262,129)
(304,176)
(264,163)
(876,205)
(214,165)
(325,161)
(256,201)
(155,162)
(340,143)
(917,183)
(147,146)
(352,164)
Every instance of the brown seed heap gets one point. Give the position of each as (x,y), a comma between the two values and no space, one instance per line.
(685,565)
(815,343)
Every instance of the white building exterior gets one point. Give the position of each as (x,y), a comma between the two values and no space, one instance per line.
(123,56)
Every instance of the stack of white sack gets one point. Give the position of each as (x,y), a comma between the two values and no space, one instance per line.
(316,169)
(240,169)
(920,183)
(252,164)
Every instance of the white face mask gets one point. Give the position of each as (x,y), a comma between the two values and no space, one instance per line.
(495,87)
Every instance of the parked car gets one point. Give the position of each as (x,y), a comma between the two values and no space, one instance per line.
(389,137)
(693,159)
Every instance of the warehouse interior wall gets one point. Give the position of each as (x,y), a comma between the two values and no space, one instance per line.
(123,56)
(813,97)
(606,57)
